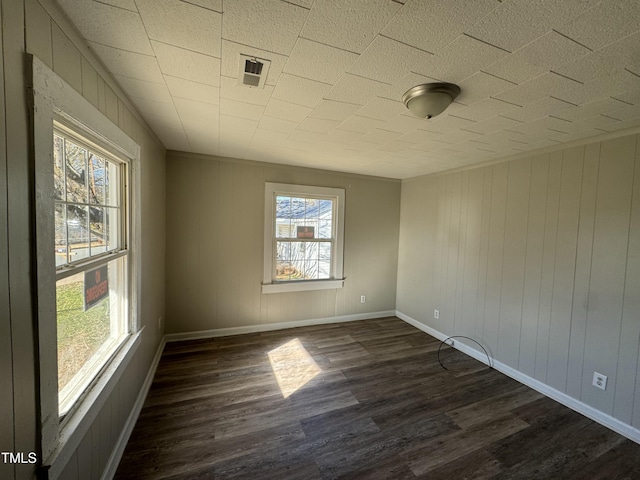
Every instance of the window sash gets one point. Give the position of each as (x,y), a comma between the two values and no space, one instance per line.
(271,282)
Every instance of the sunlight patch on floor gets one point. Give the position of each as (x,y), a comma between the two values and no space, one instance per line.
(292,366)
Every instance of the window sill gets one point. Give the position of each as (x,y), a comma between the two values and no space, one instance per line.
(302,286)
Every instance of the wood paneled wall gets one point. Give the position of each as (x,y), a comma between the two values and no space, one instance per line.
(215,210)
(539,260)
(38,27)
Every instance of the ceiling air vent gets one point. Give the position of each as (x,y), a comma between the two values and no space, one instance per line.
(253,71)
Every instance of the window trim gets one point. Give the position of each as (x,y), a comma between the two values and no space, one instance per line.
(269,284)
(53,99)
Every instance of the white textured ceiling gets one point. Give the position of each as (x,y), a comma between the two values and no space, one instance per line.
(533,74)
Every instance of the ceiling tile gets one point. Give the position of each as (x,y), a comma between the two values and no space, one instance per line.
(187,65)
(233,108)
(380,136)
(538,109)
(538,88)
(181,88)
(618,83)
(266,139)
(341,136)
(126,4)
(192,111)
(381,108)
(288,111)
(485,109)
(346,24)
(604,23)
(231,89)
(332,110)
(318,125)
(432,24)
(600,107)
(231,52)
(301,91)
(460,59)
(356,90)
(445,123)
(271,25)
(277,124)
(215,5)
(387,60)
(514,24)
(129,64)
(403,122)
(492,125)
(159,109)
(107,25)
(169,131)
(157,92)
(536,58)
(480,86)
(359,124)
(318,62)
(165,21)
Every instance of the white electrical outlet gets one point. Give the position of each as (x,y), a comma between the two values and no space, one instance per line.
(599,381)
(363,298)
(436,314)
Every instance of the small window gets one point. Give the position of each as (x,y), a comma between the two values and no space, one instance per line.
(90,220)
(303,238)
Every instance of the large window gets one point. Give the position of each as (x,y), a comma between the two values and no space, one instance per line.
(303,238)
(90,210)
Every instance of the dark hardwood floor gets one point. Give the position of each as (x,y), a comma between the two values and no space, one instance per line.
(376,405)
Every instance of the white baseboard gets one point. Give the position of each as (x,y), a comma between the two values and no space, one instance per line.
(116,455)
(588,411)
(266,327)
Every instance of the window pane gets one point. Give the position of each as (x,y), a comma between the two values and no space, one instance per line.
(97,171)
(98,230)
(78,232)
(76,174)
(90,320)
(60,235)
(303,260)
(111,184)
(58,167)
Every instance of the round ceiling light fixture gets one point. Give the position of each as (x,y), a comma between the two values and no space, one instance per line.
(430,99)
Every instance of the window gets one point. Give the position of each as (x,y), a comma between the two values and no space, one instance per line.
(87,235)
(303,238)
(91,260)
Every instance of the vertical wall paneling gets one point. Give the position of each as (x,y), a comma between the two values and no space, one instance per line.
(582,276)
(611,235)
(471,264)
(564,267)
(513,262)
(536,216)
(461,254)
(450,259)
(6,363)
(484,254)
(494,257)
(215,233)
(627,370)
(548,265)
(18,192)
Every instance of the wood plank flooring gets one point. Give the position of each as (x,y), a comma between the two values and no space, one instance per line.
(376,405)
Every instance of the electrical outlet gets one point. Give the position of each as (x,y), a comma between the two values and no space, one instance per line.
(363,298)
(599,381)
(436,314)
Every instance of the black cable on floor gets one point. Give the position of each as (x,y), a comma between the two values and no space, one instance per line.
(468,338)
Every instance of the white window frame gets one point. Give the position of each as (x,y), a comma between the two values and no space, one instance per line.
(55,101)
(269,283)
